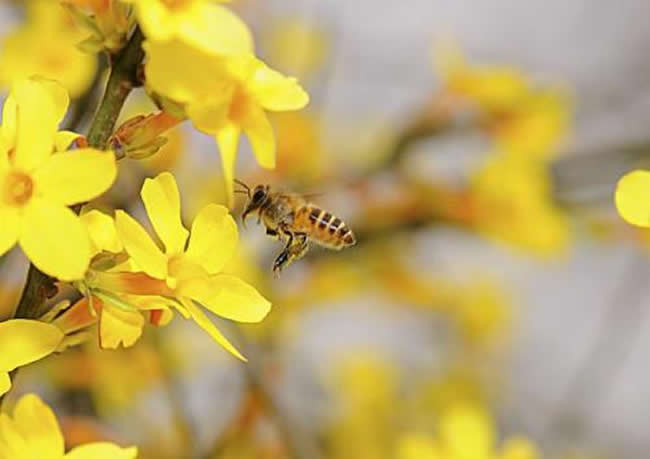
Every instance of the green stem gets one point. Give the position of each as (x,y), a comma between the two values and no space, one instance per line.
(124,77)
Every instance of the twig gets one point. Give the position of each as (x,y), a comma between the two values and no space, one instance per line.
(297,444)
(122,80)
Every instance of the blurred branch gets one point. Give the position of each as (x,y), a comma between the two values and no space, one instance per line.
(589,178)
(299,446)
(620,327)
(180,416)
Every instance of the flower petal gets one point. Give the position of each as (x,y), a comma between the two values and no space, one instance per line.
(260,134)
(633,198)
(24,341)
(117,327)
(277,92)
(181,72)
(132,283)
(163,204)
(55,240)
(519,448)
(8,127)
(41,105)
(215,30)
(139,245)
(11,225)
(102,232)
(213,239)
(102,450)
(227,296)
(13,444)
(76,176)
(228,140)
(206,324)
(5,382)
(38,426)
(63,140)
(77,316)
(210,114)
(417,446)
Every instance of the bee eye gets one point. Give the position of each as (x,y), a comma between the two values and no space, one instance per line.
(258,195)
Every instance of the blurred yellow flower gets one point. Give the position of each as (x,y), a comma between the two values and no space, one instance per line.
(33,432)
(107,21)
(491,88)
(464,432)
(200,24)
(367,385)
(46,45)
(533,129)
(24,341)
(300,155)
(296,46)
(633,198)
(114,379)
(36,186)
(514,204)
(224,97)
(522,118)
(188,274)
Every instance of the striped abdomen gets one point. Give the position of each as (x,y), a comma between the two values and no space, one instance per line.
(323,228)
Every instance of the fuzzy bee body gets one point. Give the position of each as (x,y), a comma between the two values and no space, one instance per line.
(297,222)
(323,228)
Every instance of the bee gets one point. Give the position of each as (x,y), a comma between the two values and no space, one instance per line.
(294,220)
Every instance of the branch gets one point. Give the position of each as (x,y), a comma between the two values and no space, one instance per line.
(297,442)
(122,80)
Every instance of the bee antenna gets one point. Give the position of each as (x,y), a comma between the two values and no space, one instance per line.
(246,187)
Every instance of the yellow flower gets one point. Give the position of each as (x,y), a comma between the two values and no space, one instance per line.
(47,46)
(534,128)
(36,186)
(514,204)
(296,46)
(633,198)
(521,118)
(417,446)
(188,274)
(24,341)
(491,88)
(107,21)
(33,432)
(200,24)
(464,432)
(224,97)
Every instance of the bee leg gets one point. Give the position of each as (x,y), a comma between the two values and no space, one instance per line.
(295,249)
(271,232)
(299,248)
(280,262)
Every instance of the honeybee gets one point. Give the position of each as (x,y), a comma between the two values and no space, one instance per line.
(294,220)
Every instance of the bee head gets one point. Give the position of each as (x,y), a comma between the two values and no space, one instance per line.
(257,197)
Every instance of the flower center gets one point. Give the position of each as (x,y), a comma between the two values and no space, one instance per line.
(238,106)
(18,189)
(175,4)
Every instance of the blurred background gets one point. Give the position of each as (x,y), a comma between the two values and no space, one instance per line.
(495,304)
